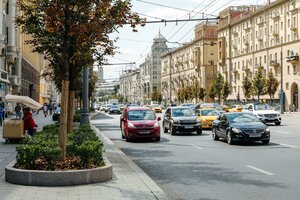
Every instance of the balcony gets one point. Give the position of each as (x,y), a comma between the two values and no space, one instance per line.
(259,66)
(293,59)
(274,63)
(260,38)
(245,68)
(247,28)
(221,61)
(275,33)
(235,33)
(234,70)
(234,46)
(246,42)
(14,80)
(293,28)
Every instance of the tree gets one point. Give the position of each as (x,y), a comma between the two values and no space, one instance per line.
(72,34)
(156,96)
(247,88)
(202,93)
(217,87)
(226,90)
(271,86)
(259,83)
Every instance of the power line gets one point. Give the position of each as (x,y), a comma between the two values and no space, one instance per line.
(177,20)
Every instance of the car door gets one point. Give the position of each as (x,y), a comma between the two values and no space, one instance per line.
(223,124)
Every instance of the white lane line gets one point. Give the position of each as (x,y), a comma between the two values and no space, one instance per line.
(284,132)
(197,147)
(260,170)
(288,145)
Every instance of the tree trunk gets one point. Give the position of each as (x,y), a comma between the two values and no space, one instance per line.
(63,119)
(71,111)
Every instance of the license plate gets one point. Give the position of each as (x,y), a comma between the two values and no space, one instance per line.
(254,135)
(144,132)
(188,127)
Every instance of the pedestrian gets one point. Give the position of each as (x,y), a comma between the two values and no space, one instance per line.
(2,106)
(29,123)
(51,108)
(293,108)
(45,109)
(18,111)
(1,115)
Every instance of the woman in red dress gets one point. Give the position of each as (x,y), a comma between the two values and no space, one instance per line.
(29,123)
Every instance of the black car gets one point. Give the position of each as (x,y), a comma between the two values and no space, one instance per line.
(114,109)
(181,119)
(240,126)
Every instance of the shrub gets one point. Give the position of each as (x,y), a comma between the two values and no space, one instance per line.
(42,151)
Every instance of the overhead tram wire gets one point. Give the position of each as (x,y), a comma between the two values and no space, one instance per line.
(211,12)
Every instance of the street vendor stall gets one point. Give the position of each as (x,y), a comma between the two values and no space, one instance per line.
(13,129)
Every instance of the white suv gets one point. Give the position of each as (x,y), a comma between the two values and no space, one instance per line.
(264,112)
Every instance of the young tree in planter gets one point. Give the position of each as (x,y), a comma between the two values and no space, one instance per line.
(271,86)
(259,83)
(67,32)
(202,93)
(247,88)
(226,90)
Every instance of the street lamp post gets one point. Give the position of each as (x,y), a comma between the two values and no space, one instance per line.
(84,118)
(170,76)
(281,81)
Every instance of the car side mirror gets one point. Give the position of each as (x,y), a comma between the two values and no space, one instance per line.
(158,118)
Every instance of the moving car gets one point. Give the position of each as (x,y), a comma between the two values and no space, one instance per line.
(182,119)
(236,108)
(156,108)
(240,126)
(139,122)
(106,109)
(114,109)
(264,112)
(215,106)
(56,114)
(207,116)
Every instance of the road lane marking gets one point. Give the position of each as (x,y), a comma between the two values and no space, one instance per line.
(260,170)
(288,145)
(107,140)
(284,132)
(197,147)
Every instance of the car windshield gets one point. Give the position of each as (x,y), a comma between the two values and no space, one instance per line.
(210,112)
(242,118)
(262,107)
(182,112)
(141,115)
(114,106)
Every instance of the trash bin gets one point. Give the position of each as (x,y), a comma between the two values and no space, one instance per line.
(13,129)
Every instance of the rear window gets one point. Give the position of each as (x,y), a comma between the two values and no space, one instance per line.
(141,115)
(113,106)
(210,112)
(182,112)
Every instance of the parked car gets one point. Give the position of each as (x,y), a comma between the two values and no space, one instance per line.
(240,126)
(56,114)
(264,112)
(156,108)
(182,119)
(236,108)
(207,116)
(139,122)
(114,109)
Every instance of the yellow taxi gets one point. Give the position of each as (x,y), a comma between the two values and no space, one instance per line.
(207,116)
(236,108)
(156,108)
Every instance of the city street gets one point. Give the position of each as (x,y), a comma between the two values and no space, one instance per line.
(189,166)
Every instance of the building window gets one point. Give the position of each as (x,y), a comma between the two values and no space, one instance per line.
(288,69)
(294,69)
(265,59)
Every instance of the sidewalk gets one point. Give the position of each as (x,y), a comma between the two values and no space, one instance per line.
(129,181)
(292,114)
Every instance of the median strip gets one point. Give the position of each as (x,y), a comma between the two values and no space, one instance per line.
(260,170)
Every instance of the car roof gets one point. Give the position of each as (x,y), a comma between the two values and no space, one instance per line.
(138,108)
(185,107)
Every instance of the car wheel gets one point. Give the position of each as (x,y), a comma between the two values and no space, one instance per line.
(165,128)
(199,131)
(228,138)
(157,139)
(214,134)
(265,141)
(172,130)
(277,123)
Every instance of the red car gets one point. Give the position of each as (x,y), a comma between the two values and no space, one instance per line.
(139,122)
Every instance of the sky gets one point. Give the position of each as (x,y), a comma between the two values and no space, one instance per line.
(133,47)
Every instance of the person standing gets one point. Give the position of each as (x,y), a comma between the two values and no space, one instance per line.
(45,109)
(18,111)
(29,123)
(2,107)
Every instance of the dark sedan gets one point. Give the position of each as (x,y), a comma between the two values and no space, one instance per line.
(240,127)
(181,119)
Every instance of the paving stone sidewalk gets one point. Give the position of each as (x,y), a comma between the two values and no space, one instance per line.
(129,181)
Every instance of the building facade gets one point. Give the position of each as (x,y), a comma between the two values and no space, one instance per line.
(130,86)
(194,63)
(266,38)
(150,69)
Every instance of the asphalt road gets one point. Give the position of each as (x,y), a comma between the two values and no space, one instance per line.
(196,167)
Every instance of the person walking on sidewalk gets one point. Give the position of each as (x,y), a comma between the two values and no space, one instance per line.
(18,111)
(45,109)
(29,123)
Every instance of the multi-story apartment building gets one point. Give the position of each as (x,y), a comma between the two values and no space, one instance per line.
(130,86)
(194,62)
(150,69)
(253,38)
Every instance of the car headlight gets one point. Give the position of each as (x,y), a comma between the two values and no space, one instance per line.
(203,120)
(176,121)
(267,130)
(260,115)
(278,115)
(236,130)
(156,124)
(130,125)
(197,120)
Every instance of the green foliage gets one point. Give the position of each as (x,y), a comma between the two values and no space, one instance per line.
(259,83)
(271,85)
(247,87)
(226,90)
(42,151)
(216,89)
(202,94)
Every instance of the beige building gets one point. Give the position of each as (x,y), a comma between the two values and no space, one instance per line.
(252,38)
(130,86)
(194,62)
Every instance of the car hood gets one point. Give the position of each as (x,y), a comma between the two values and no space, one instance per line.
(265,112)
(208,117)
(188,118)
(249,125)
(143,123)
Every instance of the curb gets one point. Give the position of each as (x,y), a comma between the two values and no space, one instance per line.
(151,185)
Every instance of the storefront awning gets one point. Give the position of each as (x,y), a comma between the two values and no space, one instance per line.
(23,100)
